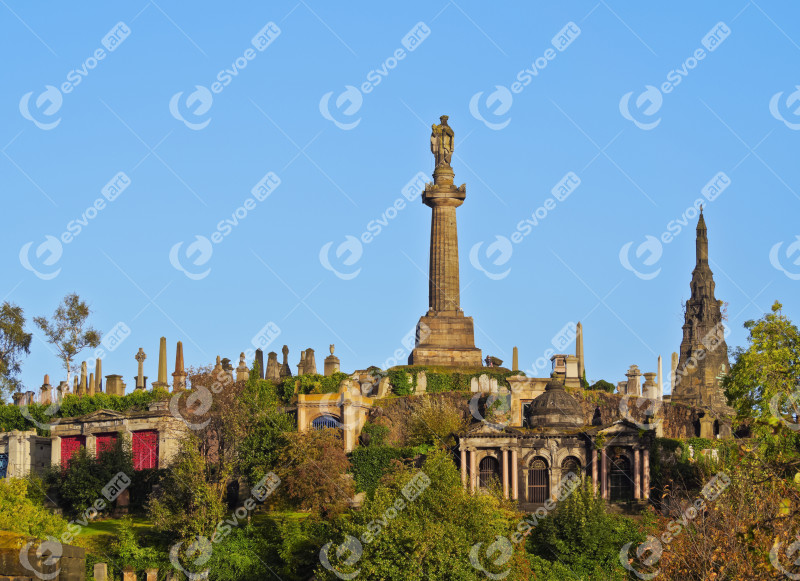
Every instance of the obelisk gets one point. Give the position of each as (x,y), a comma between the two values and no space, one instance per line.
(162,365)
(445,337)
(179,375)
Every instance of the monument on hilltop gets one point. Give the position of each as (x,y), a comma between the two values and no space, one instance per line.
(444,335)
(703,352)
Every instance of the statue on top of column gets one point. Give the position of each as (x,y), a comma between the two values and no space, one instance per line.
(442,142)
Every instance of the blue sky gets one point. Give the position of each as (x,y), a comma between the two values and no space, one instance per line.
(322,120)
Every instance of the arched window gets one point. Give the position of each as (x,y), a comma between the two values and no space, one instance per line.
(570,465)
(621,479)
(325,421)
(538,481)
(489,469)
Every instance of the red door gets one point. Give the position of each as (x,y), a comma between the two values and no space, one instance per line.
(105,442)
(69,446)
(145,449)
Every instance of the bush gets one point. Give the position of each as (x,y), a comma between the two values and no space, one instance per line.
(435,423)
(603,385)
(311,383)
(19,513)
(371,463)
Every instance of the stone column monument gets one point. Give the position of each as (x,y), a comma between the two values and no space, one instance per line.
(179,375)
(162,365)
(140,378)
(331,363)
(286,371)
(445,337)
(273,373)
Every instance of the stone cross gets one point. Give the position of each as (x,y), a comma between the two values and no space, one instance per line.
(140,357)
(286,371)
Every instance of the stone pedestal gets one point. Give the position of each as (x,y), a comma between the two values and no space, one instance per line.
(446,340)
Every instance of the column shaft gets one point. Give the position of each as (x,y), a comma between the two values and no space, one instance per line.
(595,468)
(646,475)
(505,473)
(443,282)
(472,476)
(463,468)
(637,481)
(514,475)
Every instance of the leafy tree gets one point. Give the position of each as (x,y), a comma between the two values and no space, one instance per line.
(767,372)
(14,342)
(262,448)
(315,472)
(20,513)
(186,505)
(432,535)
(68,331)
(581,535)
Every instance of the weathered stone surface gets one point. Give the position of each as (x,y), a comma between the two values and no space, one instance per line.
(474,385)
(422,383)
(273,373)
(384,387)
(179,375)
(331,363)
(484,383)
(286,371)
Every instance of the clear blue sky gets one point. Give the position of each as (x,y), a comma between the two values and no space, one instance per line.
(190,157)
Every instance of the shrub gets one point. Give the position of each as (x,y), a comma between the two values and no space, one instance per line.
(19,513)
(434,422)
(371,463)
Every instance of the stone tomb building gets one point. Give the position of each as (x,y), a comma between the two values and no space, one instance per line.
(531,462)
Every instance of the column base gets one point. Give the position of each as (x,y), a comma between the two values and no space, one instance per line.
(446,340)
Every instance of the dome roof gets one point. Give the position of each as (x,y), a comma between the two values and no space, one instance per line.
(555,408)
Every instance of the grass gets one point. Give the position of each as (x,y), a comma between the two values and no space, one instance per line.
(111,527)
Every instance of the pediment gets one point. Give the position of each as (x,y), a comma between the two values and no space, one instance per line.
(101,416)
(620,427)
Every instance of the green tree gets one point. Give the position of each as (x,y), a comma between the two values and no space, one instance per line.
(14,343)
(439,532)
(20,513)
(68,331)
(766,373)
(603,385)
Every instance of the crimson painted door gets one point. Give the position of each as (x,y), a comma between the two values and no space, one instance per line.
(69,446)
(145,449)
(105,442)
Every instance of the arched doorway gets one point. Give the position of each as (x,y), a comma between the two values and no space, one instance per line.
(621,479)
(325,421)
(489,469)
(570,465)
(538,481)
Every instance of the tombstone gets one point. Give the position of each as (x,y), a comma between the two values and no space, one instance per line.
(286,371)
(422,383)
(650,388)
(62,389)
(633,386)
(622,387)
(260,362)
(384,387)
(100,572)
(474,385)
(128,574)
(273,368)
(301,367)
(141,380)
(483,383)
(152,574)
(493,387)
(331,363)
(46,392)
(179,375)
(115,385)
(242,372)
(311,364)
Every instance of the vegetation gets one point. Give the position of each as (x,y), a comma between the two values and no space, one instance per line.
(603,385)
(68,331)
(435,423)
(23,514)
(14,344)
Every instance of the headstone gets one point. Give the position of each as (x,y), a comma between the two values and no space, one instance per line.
(115,385)
(331,363)
(483,382)
(152,574)
(493,385)
(46,392)
(286,371)
(100,572)
(162,365)
(634,376)
(98,375)
(474,385)
(650,389)
(515,360)
(179,375)
(61,390)
(311,364)
(273,367)
(82,388)
(128,574)
(260,362)
(242,372)
(140,378)
(422,383)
